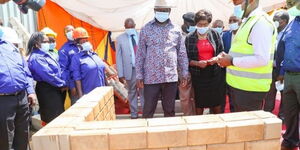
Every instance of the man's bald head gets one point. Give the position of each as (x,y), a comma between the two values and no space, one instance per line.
(291,3)
(68,28)
(129,23)
(218,24)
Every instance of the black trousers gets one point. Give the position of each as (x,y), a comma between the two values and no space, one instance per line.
(245,100)
(291,109)
(14,122)
(152,93)
(51,101)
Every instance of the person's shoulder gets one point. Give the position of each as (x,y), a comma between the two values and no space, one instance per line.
(121,36)
(147,25)
(227,33)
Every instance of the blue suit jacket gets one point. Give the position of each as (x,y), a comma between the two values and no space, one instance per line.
(227,38)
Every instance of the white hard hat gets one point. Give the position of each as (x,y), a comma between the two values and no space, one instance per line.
(10,35)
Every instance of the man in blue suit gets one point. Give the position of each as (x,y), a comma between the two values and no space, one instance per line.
(234,24)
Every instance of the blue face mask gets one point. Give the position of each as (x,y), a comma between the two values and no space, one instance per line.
(130,31)
(87,46)
(1,33)
(52,46)
(238,11)
(161,16)
(70,36)
(45,47)
(234,26)
(202,30)
(294,11)
(219,30)
(191,29)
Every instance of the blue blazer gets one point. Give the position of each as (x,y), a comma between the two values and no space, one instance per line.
(227,39)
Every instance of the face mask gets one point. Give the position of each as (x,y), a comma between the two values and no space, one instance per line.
(1,33)
(130,31)
(52,46)
(191,29)
(161,16)
(238,11)
(294,11)
(202,30)
(276,24)
(70,36)
(219,30)
(87,46)
(234,26)
(45,47)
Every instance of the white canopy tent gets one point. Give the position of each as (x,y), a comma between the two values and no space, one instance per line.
(110,14)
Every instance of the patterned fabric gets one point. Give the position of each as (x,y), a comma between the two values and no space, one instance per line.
(192,50)
(161,53)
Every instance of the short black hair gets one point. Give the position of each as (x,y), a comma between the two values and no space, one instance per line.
(283,15)
(203,15)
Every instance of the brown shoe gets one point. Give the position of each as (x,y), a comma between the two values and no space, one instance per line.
(286,148)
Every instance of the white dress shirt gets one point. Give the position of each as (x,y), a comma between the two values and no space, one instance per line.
(261,39)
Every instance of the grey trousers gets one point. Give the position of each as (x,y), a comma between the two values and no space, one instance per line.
(14,122)
(245,100)
(133,94)
(291,109)
(152,93)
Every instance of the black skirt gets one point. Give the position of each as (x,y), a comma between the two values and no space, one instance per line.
(51,101)
(209,87)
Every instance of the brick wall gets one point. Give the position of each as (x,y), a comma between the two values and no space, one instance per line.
(90,125)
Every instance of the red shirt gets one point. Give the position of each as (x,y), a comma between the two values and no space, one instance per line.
(205,50)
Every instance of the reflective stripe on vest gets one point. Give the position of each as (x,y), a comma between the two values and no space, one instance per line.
(234,54)
(250,74)
(250,79)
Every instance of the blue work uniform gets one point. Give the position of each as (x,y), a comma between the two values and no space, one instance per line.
(87,67)
(290,45)
(15,84)
(46,71)
(44,68)
(66,52)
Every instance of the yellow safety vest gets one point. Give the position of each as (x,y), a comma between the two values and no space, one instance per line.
(254,79)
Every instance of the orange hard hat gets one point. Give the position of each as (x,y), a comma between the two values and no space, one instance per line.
(80,33)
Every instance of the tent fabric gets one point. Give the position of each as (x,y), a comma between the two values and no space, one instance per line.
(110,15)
(56,18)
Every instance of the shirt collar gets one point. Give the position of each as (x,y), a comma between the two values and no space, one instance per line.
(153,22)
(255,12)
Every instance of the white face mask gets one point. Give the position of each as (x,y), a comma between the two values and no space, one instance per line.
(234,26)
(276,24)
(45,47)
(70,35)
(87,46)
(161,16)
(202,30)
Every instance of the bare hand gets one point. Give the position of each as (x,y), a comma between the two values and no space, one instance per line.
(280,78)
(123,80)
(74,92)
(202,64)
(183,82)
(224,60)
(32,99)
(63,89)
(212,61)
(140,84)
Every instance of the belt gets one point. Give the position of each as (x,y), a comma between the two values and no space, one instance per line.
(11,94)
(294,73)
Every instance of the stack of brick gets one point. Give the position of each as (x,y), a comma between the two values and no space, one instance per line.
(256,130)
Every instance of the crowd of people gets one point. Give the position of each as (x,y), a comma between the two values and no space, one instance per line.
(201,61)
